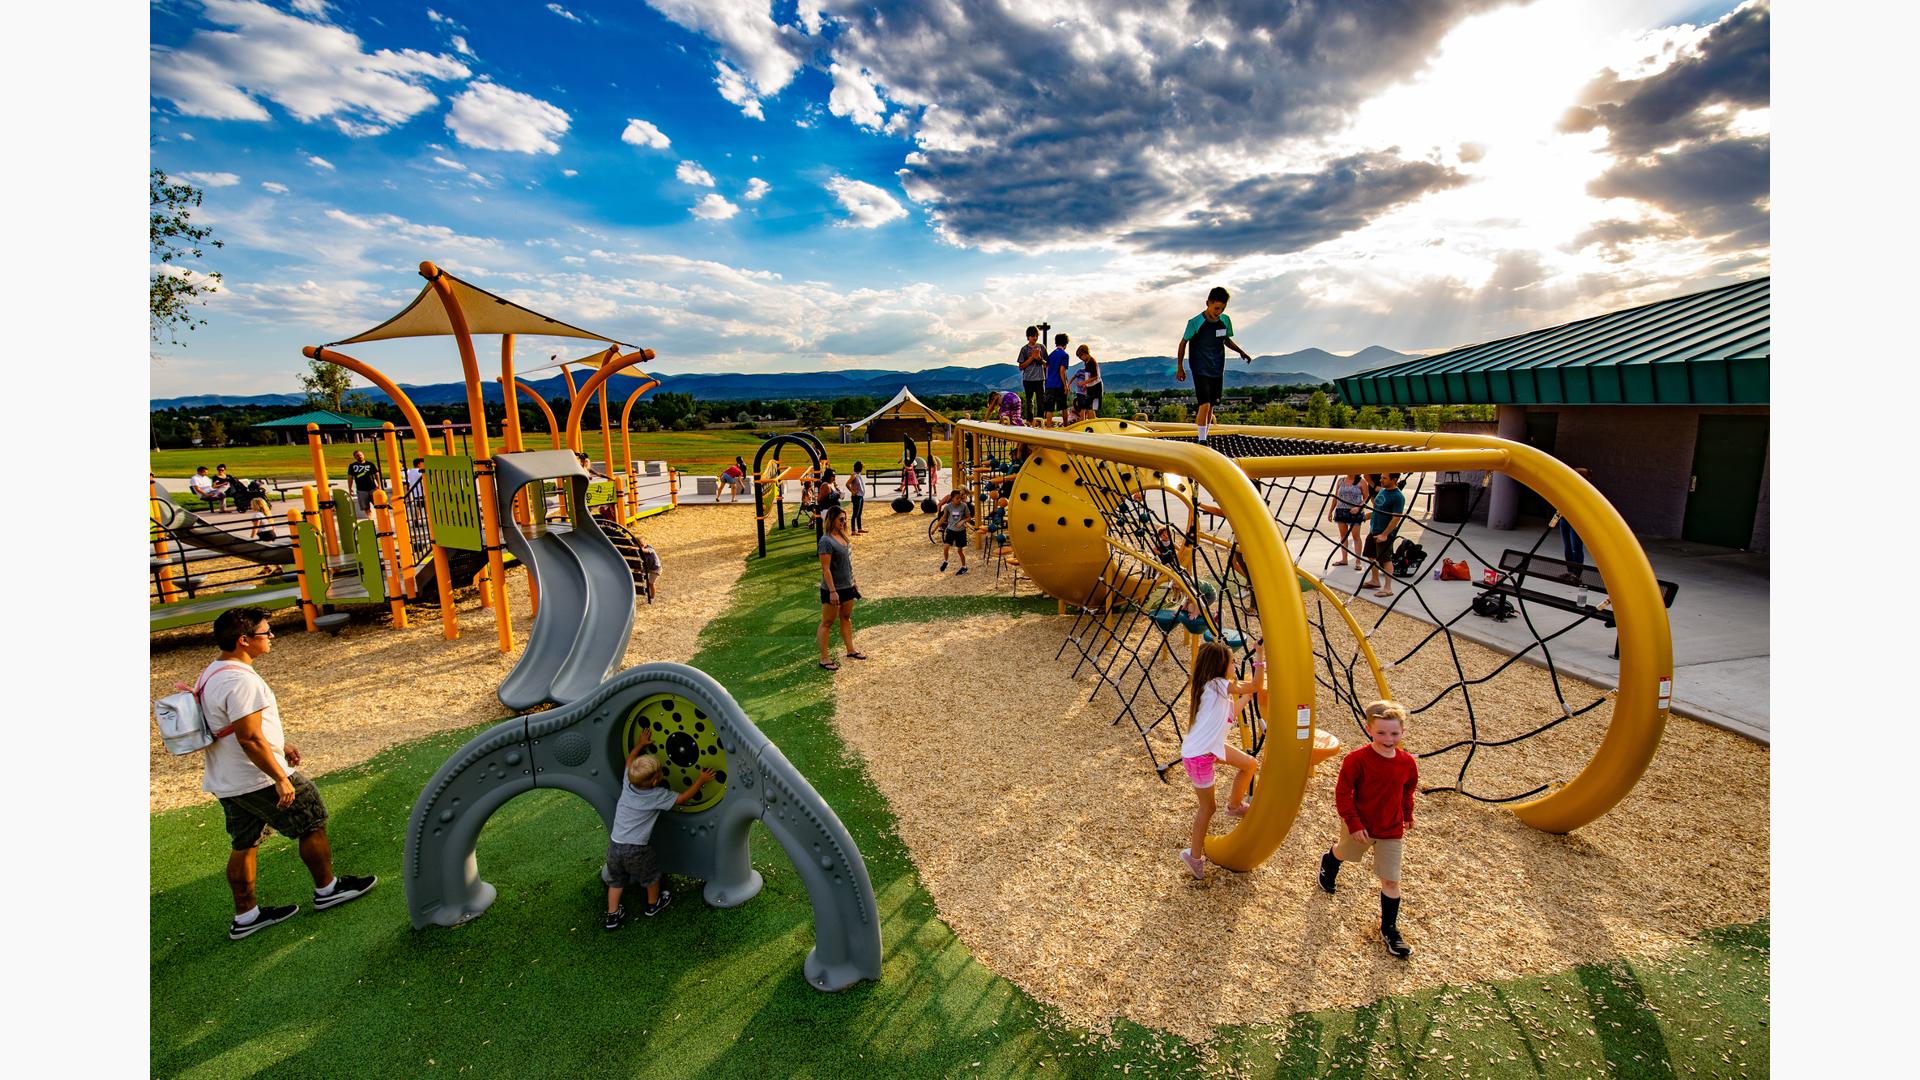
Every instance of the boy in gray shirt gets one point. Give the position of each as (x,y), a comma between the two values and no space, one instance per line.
(630,858)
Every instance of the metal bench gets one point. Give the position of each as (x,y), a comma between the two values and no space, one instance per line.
(1517,567)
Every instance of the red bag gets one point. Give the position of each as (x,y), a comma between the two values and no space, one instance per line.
(1455,571)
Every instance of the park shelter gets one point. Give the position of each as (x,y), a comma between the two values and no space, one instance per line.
(334,427)
(1666,403)
(903,417)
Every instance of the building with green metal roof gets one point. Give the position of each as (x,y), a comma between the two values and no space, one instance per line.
(333,426)
(1665,403)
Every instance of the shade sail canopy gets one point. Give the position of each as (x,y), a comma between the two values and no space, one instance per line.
(904,404)
(485,313)
(591,360)
(1705,348)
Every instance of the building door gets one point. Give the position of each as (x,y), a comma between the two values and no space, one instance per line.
(1543,431)
(1729,457)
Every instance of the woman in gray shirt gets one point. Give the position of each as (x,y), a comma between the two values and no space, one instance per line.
(837,589)
(1348,514)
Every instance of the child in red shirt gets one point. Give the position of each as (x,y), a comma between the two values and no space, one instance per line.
(1375,798)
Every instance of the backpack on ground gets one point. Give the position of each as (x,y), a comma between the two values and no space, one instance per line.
(1407,559)
(1494,606)
(182,719)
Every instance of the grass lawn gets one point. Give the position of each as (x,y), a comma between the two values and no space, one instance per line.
(692,452)
(536,987)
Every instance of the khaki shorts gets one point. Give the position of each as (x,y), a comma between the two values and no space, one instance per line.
(1386,855)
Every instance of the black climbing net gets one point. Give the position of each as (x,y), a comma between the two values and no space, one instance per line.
(1174,565)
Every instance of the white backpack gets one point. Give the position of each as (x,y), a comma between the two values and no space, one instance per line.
(183,722)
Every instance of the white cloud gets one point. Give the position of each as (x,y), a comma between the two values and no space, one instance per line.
(435,16)
(563,13)
(808,12)
(714,208)
(315,71)
(186,136)
(449,163)
(319,162)
(460,45)
(277,189)
(690,172)
(867,206)
(212,179)
(756,188)
(752,43)
(569,172)
(642,133)
(315,8)
(735,89)
(491,117)
(854,96)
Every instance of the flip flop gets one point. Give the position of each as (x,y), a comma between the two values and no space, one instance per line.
(828,665)
(856,656)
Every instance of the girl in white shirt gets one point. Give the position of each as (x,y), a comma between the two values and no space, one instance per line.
(1214,701)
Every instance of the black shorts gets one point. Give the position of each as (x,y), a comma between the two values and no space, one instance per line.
(1379,549)
(1054,400)
(1349,517)
(250,815)
(631,865)
(1207,387)
(847,595)
(1086,402)
(956,537)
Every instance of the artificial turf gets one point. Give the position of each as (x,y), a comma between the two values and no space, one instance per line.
(535,987)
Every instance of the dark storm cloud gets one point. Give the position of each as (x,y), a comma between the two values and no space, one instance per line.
(1077,130)
(1671,134)
(1294,211)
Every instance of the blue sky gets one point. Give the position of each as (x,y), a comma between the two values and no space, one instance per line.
(751,186)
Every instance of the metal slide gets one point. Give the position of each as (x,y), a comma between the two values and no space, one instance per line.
(187,526)
(585,617)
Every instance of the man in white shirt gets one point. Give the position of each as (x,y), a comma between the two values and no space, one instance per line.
(201,485)
(251,767)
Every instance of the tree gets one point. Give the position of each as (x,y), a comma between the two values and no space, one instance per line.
(328,386)
(173,239)
(216,432)
(814,414)
(1319,413)
(1171,413)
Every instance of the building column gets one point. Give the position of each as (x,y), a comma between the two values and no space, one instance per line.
(1503,503)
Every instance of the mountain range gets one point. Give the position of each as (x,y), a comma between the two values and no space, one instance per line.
(1136,373)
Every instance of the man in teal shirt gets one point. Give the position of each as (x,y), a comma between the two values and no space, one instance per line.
(1389,506)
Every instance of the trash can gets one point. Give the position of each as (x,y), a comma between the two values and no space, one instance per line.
(1450,498)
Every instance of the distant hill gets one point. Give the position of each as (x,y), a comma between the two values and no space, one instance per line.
(1136,373)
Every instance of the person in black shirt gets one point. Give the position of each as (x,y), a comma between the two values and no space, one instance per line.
(363,474)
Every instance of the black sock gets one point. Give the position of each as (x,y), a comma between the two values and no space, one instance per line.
(1330,862)
(1389,912)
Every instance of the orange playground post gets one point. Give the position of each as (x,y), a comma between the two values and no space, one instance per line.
(329,539)
(383,517)
(402,532)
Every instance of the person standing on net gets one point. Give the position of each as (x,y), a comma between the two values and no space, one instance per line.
(251,769)
(1032,360)
(1211,334)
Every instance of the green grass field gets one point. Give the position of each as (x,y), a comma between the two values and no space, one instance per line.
(535,987)
(692,452)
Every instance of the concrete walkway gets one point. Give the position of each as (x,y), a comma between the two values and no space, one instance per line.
(1721,642)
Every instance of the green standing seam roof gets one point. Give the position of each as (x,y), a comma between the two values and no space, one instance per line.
(326,418)
(1705,348)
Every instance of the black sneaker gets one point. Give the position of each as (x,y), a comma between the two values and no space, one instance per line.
(1395,945)
(962,570)
(943,568)
(616,917)
(1329,869)
(666,897)
(267,917)
(345,889)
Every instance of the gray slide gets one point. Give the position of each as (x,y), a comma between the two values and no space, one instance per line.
(585,617)
(188,527)
(695,724)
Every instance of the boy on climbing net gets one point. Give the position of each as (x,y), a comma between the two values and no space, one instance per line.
(630,857)
(1374,796)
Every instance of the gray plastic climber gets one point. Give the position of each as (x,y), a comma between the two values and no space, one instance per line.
(585,616)
(580,748)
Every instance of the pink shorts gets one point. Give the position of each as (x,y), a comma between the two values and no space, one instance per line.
(1200,769)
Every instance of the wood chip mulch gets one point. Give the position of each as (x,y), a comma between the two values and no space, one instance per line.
(1050,846)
